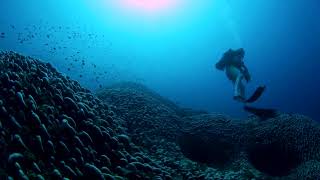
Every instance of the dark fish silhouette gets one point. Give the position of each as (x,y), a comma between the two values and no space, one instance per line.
(262,113)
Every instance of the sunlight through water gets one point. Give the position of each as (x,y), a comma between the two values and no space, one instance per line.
(148,6)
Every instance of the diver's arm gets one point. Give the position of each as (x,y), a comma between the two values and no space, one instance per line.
(221,64)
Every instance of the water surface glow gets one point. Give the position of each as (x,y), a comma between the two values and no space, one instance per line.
(148,6)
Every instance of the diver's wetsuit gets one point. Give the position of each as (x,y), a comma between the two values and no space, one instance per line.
(232,63)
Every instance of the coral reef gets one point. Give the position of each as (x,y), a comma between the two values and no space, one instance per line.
(157,124)
(52,128)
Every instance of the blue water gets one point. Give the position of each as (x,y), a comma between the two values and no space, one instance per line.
(173,50)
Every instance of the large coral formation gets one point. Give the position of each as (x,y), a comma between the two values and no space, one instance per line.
(144,111)
(52,127)
(281,147)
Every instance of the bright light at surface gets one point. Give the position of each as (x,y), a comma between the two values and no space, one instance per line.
(141,16)
(148,6)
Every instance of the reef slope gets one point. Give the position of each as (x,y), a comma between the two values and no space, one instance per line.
(284,147)
(52,128)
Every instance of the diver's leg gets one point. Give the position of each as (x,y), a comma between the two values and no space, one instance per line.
(239,89)
(242,89)
(236,86)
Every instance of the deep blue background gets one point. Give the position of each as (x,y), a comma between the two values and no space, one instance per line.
(174,51)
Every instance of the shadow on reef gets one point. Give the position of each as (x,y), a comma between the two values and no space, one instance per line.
(206,142)
(218,155)
(273,159)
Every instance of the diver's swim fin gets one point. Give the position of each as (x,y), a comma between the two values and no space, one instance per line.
(261,113)
(256,95)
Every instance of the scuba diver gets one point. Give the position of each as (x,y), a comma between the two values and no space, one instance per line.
(236,71)
(232,63)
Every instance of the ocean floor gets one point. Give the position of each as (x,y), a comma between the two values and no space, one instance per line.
(52,128)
